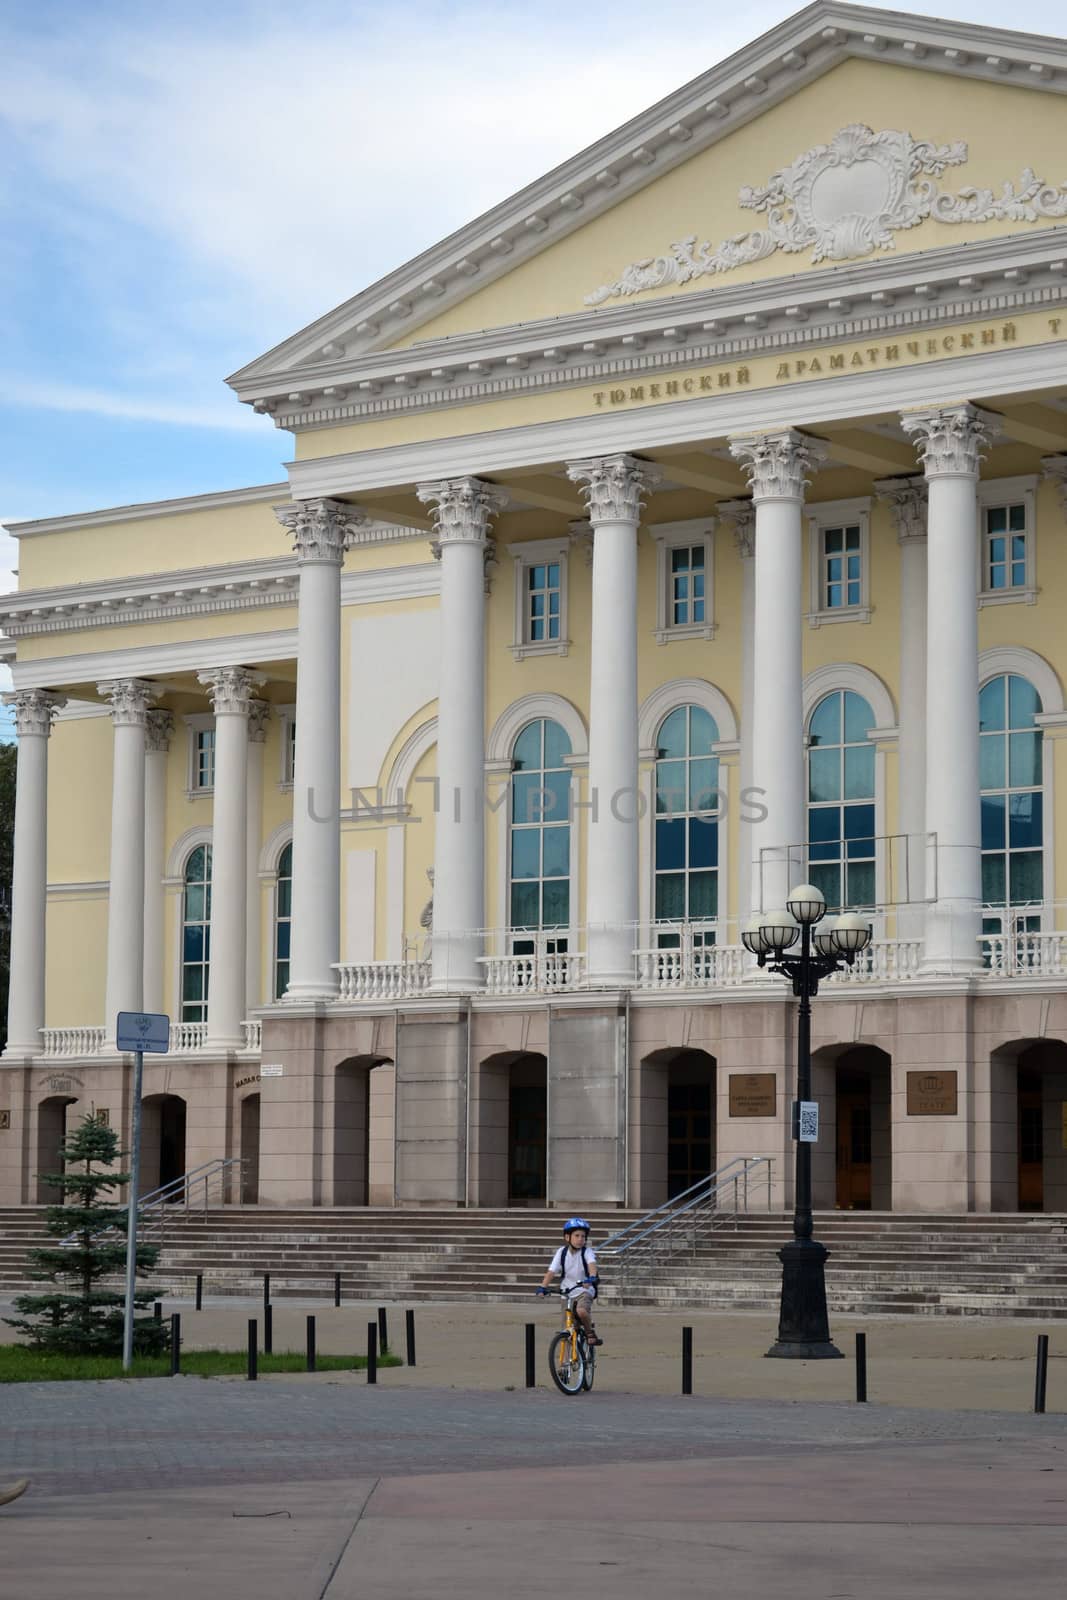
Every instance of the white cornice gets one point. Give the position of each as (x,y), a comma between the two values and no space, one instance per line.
(1012,273)
(152,508)
(693,118)
(1004,371)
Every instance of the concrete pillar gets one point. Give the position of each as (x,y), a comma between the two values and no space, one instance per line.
(614,489)
(34,710)
(778,465)
(258,718)
(130,700)
(158,731)
(463,508)
(742,513)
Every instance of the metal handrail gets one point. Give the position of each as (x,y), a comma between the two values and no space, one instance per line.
(160,1203)
(682,1223)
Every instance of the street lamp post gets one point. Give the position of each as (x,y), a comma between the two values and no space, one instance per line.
(803,1322)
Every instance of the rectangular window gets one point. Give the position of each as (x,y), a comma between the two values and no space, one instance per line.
(842,571)
(543,603)
(290,749)
(1006,550)
(687,585)
(204,769)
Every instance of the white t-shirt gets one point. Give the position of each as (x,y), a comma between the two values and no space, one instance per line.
(569,1263)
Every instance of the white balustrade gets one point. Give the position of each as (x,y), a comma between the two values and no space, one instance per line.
(717,966)
(534,973)
(1025,954)
(253,1038)
(884,961)
(382,980)
(187,1037)
(67,1043)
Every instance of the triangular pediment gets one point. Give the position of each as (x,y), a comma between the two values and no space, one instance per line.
(811,148)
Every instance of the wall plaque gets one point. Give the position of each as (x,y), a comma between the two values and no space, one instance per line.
(5,1120)
(753,1094)
(932,1094)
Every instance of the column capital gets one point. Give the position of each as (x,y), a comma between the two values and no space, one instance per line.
(231,689)
(742,513)
(778,464)
(951,440)
(581,537)
(34,711)
(130,700)
(1055,469)
(907,500)
(258,718)
(321,530)
(462,510)
(615,487)
(159,726)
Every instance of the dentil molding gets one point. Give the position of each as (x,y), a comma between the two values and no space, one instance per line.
(841,201)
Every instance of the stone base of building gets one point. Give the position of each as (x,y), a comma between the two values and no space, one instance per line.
(940,1100)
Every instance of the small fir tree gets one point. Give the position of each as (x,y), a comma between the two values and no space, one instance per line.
(78,1317)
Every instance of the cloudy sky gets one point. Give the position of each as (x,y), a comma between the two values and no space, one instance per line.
(184,185)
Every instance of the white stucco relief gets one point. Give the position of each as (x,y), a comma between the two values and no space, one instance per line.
(841,201)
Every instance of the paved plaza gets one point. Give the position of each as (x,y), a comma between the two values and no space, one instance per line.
(454,1480)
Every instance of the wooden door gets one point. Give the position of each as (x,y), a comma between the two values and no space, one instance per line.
(1031,1143)
(527,1129)
(689,1152)
(854,1146)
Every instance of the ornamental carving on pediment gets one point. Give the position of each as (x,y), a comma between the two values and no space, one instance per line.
(842,201)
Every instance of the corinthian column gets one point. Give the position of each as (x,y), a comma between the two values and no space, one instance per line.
(320,531)
(742,513)
(258,718)
(463,509)
(130,700)
(159,727)
(34,710)
(907,503)
(614,489)
(231,695)
(951,441)
(778,466)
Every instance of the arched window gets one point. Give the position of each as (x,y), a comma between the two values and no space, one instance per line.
(841,808)
(686,847)
(283,911)
(1012,796)
(196,934)
(540,846)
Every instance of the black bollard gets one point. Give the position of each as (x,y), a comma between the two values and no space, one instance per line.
(268,1330)
(266,1290)
(531,1377)
(337,1288)
(409,1328)
(157,1311)
(383,1329)
(687,1360)
(200,1291)
(372,1352)
(311,1344)
(253,1349)
(861,1368)
(1041,1378)
(175,1344)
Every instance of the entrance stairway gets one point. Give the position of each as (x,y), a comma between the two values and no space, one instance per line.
(880,1263)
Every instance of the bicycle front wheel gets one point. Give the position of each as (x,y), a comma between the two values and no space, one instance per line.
(566,1364)
(589,1372)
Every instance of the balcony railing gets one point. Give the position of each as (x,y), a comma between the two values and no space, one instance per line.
(186,1039)
(65,1044)
(382,980)
(553,972)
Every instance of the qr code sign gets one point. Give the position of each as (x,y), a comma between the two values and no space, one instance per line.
(808,1122)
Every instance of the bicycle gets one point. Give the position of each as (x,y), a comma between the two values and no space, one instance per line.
(571,1358)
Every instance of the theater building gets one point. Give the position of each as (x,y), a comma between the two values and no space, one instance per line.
(691,524)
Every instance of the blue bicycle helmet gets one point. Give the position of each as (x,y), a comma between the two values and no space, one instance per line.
(575,1222)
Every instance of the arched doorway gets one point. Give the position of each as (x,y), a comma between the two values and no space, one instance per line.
(250,1108)
(162,1140)
(363,1131)
(863,1161)
(673,1140)
(1028,1090)
(51,1136)
(509,1129)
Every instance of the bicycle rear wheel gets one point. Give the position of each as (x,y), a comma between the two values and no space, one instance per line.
(566,1366)
(589,1364)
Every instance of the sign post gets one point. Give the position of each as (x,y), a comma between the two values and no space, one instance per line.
(141,1032)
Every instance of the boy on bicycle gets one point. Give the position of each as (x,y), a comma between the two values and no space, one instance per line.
(575,1263)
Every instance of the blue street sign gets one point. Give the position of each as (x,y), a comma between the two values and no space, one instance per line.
(148,1031)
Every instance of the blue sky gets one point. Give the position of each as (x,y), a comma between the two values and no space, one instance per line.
(184,185)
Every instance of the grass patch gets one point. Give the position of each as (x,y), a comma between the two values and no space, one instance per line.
(21,1364)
